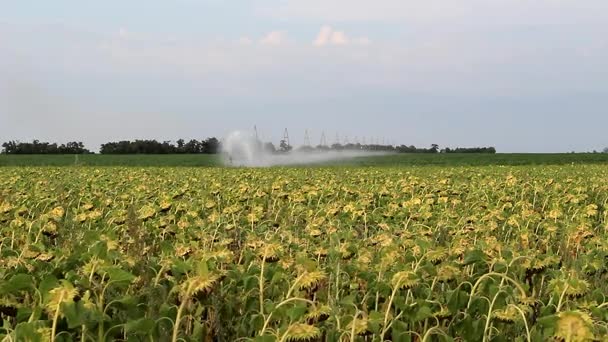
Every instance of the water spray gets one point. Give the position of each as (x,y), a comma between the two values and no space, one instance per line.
(240,149)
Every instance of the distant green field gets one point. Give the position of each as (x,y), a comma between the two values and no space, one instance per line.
(203,160)
(111,160)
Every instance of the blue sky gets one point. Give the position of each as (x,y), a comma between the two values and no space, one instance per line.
(524,76)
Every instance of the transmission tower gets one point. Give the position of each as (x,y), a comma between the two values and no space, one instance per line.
(286,137)
(306,138)
(337,138)
(346,140)
(323,139)
(255,130)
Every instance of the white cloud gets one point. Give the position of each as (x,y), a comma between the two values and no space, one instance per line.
(328,36)
(274,38)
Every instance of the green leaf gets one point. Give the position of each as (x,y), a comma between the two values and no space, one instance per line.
(276,278)
(18,282)
(265,338)
(140,326)
(257,322)
(296,312)
(473,257)
(348,300)
(250,282)
(74,314)
(376,316)
(423,313)
(376,321)
(458,300)
(29,331)
(180,267)
(47,284)
(202,268)
(548,324)
(118,275)
(400,303)
(399,331)
(269,306)
(24,314)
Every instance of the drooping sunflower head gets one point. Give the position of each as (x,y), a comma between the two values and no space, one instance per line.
(573,287)
(437,255)
(270,252)
(63,293)
(310,280)
(317,314)
(510,314)
(405,280)
(442,313)
(302,332)
(200,284)
(447,273)
(574,326)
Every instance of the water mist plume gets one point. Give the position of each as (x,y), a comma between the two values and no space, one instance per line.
(242,149)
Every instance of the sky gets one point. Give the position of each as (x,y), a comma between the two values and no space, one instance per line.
(520,75)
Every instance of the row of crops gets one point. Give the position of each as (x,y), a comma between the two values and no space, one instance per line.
(310,254)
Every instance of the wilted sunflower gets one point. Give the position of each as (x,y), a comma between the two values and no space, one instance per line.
(270,252)
(540,263)
(302,332)
(200,284)
(310,280)
(62,294)
(182,251)
(405,280)
(447,273)
(442,313)
(510,314)
(146,212)
(361,326)
(57,213)
(437,255)
(318,313)
(573,287)
(574,326)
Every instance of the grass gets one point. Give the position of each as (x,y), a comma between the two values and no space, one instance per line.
(203,160)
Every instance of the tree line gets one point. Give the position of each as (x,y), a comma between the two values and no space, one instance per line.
(210,146)
(37,147)
(193,146)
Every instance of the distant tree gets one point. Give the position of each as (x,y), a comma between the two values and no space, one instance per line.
(434,148)
(210,146)
(180,146)
(490,150)
(605,150)
(193,146)
(269,147)
(9,147)
(37,147)
(337,147)
(284,146)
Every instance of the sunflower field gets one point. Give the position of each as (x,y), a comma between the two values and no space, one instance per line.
(304,254)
